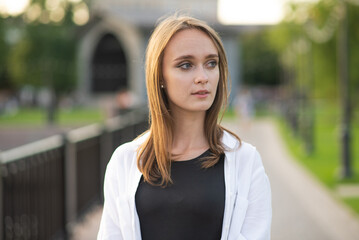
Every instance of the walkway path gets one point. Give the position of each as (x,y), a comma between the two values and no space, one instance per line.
(302,207)
(14,136)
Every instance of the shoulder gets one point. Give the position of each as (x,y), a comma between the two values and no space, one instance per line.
(248,151)
(232,144)
(245,163)
(242,154)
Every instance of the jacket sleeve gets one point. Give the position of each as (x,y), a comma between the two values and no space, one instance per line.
(257,222)
(110,225)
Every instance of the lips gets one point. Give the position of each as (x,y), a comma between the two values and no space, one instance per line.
(201,92)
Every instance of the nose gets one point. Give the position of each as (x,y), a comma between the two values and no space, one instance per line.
(201,76)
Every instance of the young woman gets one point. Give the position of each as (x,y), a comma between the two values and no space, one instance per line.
(187,177)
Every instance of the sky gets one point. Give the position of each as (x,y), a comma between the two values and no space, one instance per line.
(229,11)
(252,12)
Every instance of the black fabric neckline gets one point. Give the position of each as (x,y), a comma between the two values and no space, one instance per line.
(205,153)
(190,208)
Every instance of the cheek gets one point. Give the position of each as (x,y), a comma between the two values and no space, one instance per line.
(172,84)
(177,81)
(176,88)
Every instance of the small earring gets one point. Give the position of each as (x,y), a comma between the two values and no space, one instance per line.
(162,86)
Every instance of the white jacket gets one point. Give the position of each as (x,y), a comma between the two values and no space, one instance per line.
(247,212)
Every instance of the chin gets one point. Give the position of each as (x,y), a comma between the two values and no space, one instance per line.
(202,108)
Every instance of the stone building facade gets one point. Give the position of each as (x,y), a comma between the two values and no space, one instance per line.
(112,45)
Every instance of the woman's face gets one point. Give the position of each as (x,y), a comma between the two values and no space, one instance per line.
(190,71)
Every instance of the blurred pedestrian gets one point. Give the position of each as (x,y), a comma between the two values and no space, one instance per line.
(244,106)
(124,101)
(187,177)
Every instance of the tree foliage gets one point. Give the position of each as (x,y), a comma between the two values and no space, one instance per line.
(5,82)
(38,47)
(44,55)
(260,62)
(308,34)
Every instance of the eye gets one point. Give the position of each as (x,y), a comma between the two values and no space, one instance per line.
(212,64)
(185,66)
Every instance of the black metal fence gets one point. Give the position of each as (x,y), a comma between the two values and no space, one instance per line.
(47,185)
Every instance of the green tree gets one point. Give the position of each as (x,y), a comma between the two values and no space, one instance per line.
(5,82)
(45,56)
(316,25)
(260,61)
(313,47)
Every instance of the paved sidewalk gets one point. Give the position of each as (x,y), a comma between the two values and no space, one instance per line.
(87,229)
(13,136)
(302,207)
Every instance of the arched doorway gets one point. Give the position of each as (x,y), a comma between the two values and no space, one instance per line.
(109,66)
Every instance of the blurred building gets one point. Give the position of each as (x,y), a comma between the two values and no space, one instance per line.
(113,43)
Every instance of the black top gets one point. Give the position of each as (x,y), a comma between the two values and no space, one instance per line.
(189,209)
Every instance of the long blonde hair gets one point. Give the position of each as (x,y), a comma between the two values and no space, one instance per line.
(154,154)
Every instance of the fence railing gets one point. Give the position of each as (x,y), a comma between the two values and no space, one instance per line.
(45,186)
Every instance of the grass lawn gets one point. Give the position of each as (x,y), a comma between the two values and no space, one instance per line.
(325,161)
(37,117)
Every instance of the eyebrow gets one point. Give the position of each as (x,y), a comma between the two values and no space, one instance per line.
(185,57)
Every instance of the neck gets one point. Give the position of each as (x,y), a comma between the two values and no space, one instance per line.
(188,137)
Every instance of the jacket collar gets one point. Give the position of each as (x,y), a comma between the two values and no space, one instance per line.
(229,141)
(141,139)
